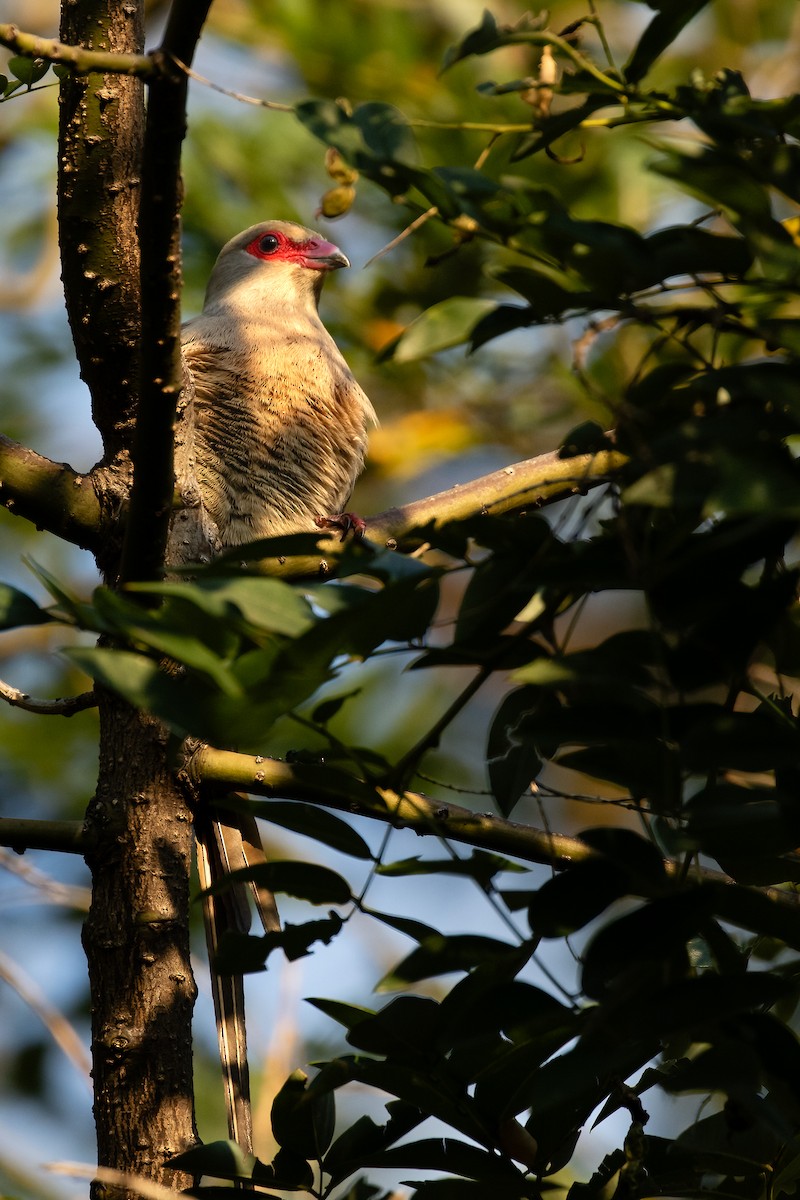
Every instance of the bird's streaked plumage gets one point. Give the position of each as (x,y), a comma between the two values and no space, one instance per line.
(279,421)
(279,428)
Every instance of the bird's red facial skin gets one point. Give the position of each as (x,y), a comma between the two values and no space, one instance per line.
(314,253)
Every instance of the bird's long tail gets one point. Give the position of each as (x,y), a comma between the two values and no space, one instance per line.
(225,845)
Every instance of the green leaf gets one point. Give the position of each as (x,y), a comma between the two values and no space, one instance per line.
(17,608)
(483,1004)
(303,1121)
(647,944)
(549,291)
(350,1150)
(145,685)
(28,70)
(266,604)
(473,1189)
(222,1160)
(442,326)
(370,138)
(482,40)
(570,900)
(404,1029)
(438,1096)
(348,1015)
(243,954)
(305,881)
(489,36)
(512,758)
(156,631)
(417,930)
(687,250)
(441,955)
(448,1154)
(314,822)
(481,865)
(671,17)
(72,606)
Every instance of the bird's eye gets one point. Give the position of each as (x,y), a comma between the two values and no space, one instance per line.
(268,244)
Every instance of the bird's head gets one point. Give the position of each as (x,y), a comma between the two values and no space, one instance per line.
(276,261)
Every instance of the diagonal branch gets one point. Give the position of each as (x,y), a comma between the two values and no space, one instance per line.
(410,810)
(50,494)
(526,485)
(531,484)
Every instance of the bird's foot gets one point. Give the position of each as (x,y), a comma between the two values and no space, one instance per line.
(347,522)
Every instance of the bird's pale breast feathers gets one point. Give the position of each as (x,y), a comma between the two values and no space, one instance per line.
(279,421)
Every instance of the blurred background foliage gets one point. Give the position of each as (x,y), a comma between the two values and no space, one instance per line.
(444,419)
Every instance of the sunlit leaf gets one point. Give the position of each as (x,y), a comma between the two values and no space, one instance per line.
(446,324)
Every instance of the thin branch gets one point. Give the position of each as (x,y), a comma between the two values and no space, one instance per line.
(80,61)
(580,60)
(159,235)
(20,834)
(65,706)
(416,224)
(330,788)
(56,1024)
(526,485)
(50,494)
(66,895)
(273,105)
(521,487)
(148,1189)
(405,768)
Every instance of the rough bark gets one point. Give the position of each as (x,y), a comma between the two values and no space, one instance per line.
(100,140)
(137,945)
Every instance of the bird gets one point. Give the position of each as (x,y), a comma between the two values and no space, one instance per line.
(279,432)
(279,423)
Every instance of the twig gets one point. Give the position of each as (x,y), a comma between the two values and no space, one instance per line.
(54,1022)
(417,223)
(273,105)
(65,894)
(146,1188)
(601,33)
(20,834)
(65,706)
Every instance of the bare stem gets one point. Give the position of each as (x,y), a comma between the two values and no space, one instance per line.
(64,706)
(79,60)
(50,494)
(21,834)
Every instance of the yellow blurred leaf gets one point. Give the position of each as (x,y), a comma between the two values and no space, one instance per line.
(410,443)
(792,227)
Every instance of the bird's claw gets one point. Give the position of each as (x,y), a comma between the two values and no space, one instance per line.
(347,522)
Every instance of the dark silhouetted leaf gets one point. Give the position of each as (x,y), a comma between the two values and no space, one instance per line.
(302,1120)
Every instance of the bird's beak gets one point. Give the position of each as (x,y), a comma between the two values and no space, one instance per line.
(324,256)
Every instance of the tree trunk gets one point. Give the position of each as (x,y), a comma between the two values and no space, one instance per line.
(137,945)
(136,936)
(101,130)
